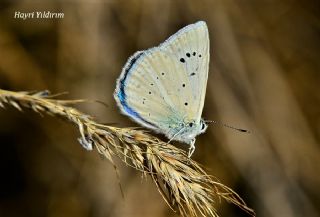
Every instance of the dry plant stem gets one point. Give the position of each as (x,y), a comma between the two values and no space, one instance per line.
(184,185)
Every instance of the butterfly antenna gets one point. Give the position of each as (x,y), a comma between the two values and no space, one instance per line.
(228,126)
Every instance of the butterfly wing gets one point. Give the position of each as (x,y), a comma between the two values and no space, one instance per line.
(165,86)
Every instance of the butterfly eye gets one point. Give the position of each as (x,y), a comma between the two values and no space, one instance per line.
(203,126)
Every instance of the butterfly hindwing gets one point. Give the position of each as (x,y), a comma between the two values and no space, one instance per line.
(164,86)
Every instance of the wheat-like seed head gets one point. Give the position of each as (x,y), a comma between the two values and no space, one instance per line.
(183,184)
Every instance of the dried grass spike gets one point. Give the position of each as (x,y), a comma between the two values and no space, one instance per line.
(184,185)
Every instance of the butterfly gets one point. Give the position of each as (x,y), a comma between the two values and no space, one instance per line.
(163,88)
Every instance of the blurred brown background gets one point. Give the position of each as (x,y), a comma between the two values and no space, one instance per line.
(264,76)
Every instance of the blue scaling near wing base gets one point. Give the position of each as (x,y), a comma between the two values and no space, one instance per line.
(122,95)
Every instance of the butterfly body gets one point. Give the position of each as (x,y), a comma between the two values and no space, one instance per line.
(163,88)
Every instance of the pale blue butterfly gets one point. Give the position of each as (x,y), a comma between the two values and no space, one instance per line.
(163,88)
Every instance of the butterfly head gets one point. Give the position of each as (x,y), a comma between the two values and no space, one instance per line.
(190,129)
(203,126)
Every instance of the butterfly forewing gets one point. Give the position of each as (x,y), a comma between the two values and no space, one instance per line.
(191,49)
(165,86)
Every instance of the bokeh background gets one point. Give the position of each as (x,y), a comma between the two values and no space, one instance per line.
(264,76)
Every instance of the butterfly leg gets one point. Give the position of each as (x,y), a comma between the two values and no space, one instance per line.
(172,138)
(191,148)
